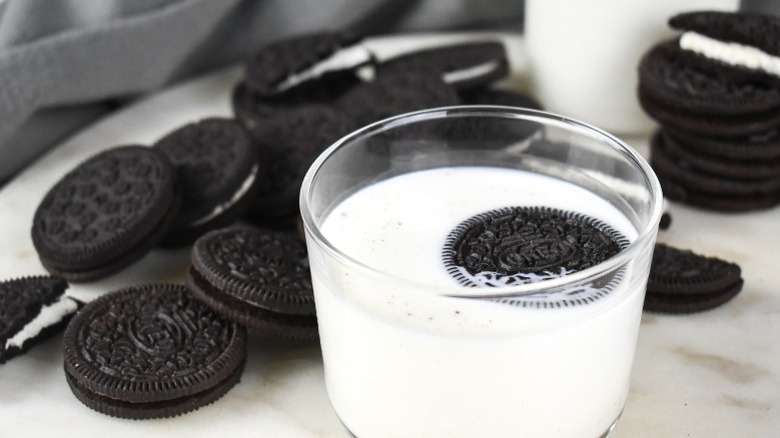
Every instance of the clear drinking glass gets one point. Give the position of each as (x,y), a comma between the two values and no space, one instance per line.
(413,343)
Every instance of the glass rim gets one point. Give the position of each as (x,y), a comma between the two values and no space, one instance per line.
(506,112)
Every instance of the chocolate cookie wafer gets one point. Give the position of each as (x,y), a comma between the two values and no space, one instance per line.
(463,65)
(683,183)
(32,309)
(257,277)
(292,143)
(393,94)
(291,62)
(682,281)
(106,213)
(220,170)
(151,351)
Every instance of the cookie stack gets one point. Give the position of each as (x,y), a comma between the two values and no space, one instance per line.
(715,91)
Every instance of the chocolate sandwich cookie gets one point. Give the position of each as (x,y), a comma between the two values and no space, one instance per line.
(292,62)
(462,65)
(252,108)
(32,309)
(219,169)
(738,167)
(683,183)
(259,278)
(292,143)
(392,94)
(763,146)
(106,213)
(682,281)
(759,31)
(151,351)
(520,245)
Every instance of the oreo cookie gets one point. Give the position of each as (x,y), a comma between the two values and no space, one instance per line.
(252,108)
(32,309)
(106,213)
(463,65)
(757,31)
(151,351)
(219,169)
(258,278)
(681,182)
(292,144)
(738,167)
(392,94)
(292,62)
(518,245)
(682,281)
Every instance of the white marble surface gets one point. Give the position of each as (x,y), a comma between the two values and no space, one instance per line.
(714,374)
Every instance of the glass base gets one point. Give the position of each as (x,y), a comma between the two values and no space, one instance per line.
(606,433)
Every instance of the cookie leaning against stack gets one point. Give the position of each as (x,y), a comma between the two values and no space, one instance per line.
(715,90)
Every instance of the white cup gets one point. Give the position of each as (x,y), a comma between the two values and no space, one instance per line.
(583,55)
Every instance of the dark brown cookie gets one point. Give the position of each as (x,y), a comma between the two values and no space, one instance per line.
(761,31)
(151,351)
(682,281)
(220,170)
(517,245)
(252,108)
(737,167)
(759,146)
(258,278)
(688,82)
(393,94)
(292,144)
(270,66)
(675,168)
(106,213)
(463,65)
(32,309)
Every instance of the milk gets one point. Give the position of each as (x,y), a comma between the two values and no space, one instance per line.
(394,347)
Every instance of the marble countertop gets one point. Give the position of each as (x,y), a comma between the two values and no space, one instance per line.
(713,374)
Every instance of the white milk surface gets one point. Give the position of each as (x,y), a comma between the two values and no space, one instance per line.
(403,361)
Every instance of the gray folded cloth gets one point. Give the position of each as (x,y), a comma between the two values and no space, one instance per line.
(65,62)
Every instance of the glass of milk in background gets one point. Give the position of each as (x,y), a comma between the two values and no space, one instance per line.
(409,349)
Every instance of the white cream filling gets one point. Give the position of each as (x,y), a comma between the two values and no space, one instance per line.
(343,59)
(216,211)
(49,315)
(470,73)
(731,53)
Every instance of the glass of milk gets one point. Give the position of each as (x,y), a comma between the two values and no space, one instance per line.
(409,348)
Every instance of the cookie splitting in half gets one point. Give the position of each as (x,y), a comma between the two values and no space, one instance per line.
(258,278)
(106,213)
(151,351)
(463,65)
(682,281)
(291,62)
(219,169)
(32,309)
